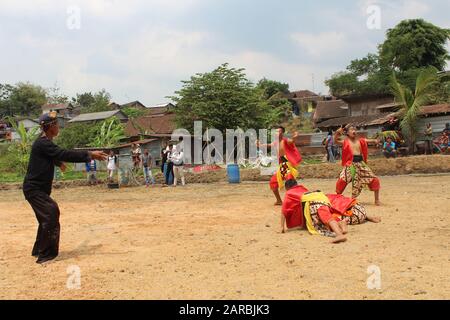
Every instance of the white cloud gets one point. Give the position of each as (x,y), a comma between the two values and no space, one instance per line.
(322,44)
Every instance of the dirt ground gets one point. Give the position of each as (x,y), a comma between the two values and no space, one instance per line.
(221,241)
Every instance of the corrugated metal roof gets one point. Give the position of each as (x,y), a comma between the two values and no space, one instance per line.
(95,116)
(360,121)
(436,109)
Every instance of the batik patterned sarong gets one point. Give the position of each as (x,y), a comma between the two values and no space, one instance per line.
(359,174)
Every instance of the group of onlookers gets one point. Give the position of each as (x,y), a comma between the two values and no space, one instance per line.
(172,165)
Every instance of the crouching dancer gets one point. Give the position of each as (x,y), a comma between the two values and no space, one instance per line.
(37,186)
(321,214)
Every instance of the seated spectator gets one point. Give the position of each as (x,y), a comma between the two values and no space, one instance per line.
(442,142)
(389,149)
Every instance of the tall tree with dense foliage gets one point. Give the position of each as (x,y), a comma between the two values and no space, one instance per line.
(409,48)
(272,87)
(415,44)
(223,99)
(27,99)
(89,102)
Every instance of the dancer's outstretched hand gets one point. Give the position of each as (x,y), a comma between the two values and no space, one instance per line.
(99,155)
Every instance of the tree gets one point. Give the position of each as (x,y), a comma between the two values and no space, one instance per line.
(411,103)
(21,149)
(27,99)
(77,135)
(415,44)
(133,112)
(54,95)
(222,99)
(96,102)
(5,103)
(410,47)
(84,100)
(271,87)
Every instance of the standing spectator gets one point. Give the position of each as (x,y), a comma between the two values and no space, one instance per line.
(169,164)
(163,158)
(330,146)
(147,163)
(112,164)
(389,149)
(178,166)
(91,171)
(442,142)
(136,156)
(429,139)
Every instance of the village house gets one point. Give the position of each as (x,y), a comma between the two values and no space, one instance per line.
(304,102)
(161,108)
(368,112)
(438,115)
(328,110)
(133,104)
(65,112)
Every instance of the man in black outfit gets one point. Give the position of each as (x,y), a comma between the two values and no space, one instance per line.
(37,186)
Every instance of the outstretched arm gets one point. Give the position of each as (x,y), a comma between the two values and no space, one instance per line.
(265,145)
(60,155)
(292,140)
(283,223)
(337,136)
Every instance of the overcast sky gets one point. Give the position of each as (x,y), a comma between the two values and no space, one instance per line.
(141,50)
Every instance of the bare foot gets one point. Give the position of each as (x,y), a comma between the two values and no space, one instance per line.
(339,239)
(374,219)
(378,203)
(344,226)
(278,203)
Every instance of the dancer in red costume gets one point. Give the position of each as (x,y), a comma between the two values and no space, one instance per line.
(327,215)
(289,159)
(354,161)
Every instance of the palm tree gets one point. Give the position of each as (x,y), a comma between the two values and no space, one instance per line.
(411,103)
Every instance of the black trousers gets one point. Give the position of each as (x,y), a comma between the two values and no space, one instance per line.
(47,213)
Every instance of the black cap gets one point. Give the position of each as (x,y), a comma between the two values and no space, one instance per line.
(48,118)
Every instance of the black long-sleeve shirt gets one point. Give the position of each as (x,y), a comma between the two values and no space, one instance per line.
(44,156)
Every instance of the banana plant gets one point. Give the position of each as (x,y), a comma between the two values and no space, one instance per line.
(21,149)
(109,134)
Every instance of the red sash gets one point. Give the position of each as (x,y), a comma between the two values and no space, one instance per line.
(292,153)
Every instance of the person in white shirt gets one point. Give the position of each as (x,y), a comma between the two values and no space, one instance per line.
(177,158)
(112,164)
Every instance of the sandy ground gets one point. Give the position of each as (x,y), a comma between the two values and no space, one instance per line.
(222,242)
